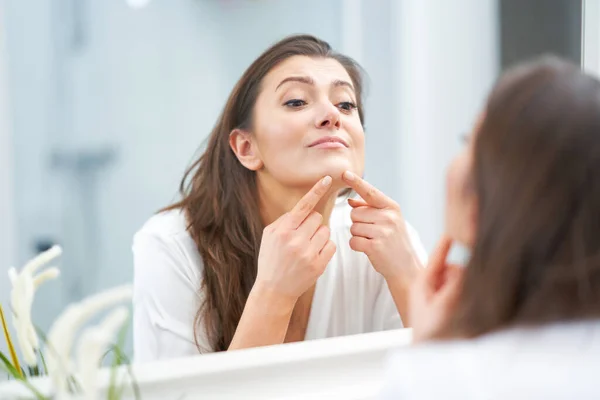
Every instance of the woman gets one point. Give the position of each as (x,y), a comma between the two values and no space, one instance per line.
(261,249)
(525,198)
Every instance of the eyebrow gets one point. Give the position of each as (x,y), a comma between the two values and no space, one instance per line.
(309,81)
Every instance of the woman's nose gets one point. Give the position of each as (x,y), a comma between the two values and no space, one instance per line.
(330,118)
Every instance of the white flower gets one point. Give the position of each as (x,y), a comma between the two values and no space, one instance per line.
(92,345)
(65,327)
(24,285)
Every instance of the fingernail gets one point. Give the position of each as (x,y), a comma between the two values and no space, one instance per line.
(348,175)
(326,181)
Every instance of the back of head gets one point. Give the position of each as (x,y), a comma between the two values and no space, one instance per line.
(536,256)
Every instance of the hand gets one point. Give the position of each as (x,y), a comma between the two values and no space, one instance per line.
(295,249)
(379,230)
(434,294)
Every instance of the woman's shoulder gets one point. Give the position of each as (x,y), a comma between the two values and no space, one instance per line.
(167,283)
(165,224)
(164,241)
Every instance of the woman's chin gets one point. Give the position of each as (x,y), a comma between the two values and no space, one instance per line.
(336,171)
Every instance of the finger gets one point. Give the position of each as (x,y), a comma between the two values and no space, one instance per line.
(307,203)
(437,261)
(360,229)
(436,268)
(319,240)
(360,244)
(365,214)
(369,193)
(309,226)
(326,254)
(354,203)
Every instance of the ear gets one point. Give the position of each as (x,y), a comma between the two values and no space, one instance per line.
(243,145)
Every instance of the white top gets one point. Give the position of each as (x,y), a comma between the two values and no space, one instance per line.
(350,297)
(555,362)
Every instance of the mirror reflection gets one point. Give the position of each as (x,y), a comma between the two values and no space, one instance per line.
(260,172)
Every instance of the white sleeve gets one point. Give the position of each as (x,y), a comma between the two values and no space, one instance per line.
(165,300)
(386,314)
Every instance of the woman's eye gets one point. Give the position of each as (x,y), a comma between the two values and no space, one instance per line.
(347,106)
(295,103)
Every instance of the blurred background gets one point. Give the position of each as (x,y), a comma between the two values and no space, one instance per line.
(103,104)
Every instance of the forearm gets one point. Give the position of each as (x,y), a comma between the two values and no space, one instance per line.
(399,286)
(399,290)
(264,321)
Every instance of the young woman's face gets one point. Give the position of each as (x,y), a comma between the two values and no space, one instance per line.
(306,124)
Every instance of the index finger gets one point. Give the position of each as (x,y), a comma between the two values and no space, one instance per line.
(369,193)
(308,202)
(437,261)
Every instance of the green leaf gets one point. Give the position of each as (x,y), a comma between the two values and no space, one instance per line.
(74,386)
(136,388)
(125,360)
(8,367)
(118,357)
(71,381)
(9,342)
(34,371)
(43,363)
(41,334)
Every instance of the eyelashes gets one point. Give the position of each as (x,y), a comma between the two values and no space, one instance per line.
(295,103)
(346,106)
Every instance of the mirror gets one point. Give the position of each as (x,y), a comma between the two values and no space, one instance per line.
(103,103)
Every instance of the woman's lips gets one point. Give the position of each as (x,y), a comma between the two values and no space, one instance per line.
(329,145)
(329,142)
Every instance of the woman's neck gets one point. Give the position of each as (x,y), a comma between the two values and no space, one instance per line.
(275,200)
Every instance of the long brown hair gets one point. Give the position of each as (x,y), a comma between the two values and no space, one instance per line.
(220,198)
(536,175)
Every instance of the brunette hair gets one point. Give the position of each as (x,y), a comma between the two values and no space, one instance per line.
(536,175)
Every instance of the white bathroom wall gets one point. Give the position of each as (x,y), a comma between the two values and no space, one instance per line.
(7,225)
(113,102)
(249,27)
(111,105)
(377,52)
(156,75)
(27,29)
(446,61)
(590,35)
